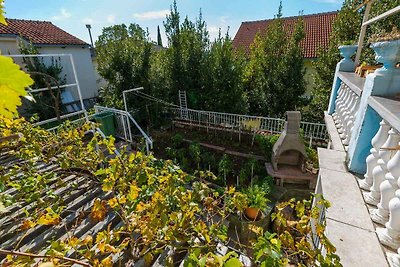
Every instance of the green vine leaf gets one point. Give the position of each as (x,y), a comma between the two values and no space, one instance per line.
(13,82)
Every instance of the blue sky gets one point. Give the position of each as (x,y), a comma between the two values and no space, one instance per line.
(72,15)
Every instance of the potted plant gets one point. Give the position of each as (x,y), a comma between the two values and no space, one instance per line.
(256,202)
(347,50)
(387,50)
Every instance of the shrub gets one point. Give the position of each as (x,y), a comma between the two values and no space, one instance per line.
(266,143)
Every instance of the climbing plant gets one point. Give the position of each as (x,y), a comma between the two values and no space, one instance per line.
(13,81)
(157,202)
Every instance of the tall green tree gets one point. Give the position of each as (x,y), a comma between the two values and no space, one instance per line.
(159,40)
(346,28)
(226,89)
(275,72)
(123,57)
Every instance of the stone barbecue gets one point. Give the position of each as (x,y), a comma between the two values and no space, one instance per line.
(289,154)
(289,149)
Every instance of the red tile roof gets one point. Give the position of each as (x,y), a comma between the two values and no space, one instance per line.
(39,32)
(317,28)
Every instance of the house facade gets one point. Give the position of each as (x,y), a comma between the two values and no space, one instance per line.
(317,29)
(50,39)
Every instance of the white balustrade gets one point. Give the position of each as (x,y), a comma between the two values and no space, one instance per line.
(341,103)
(372,160)
(342,107)
(346,112)
(339,99)
(394,259)
(379,172)
(390,235)
(350,122)
(388,189)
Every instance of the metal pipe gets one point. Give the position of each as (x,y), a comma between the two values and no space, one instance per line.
(362,33)
(78,87)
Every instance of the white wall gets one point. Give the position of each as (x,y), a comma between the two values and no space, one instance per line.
(83,65)
(8,45)
(82,59)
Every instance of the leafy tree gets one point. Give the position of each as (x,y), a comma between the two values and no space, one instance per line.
(226,90)
(275,72)
(346,28)
(123,60)
(46,104)
(159,40)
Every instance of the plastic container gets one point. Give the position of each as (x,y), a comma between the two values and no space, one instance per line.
(106,120)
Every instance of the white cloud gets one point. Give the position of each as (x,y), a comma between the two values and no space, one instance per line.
(64,14)
(214,29)
(111,18)
(88,21)
(151,15)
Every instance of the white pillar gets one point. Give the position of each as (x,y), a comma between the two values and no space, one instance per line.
(350,124)
(346,114)
(394,259)
(390,235)
(342,108)
(379,172)
(377,142)
(388,189)
(339,98)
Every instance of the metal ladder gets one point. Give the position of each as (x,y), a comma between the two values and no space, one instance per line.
(183,105)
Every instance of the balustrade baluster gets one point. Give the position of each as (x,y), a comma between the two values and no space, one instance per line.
(372,160)
(390,235)
(350,123)
(345,117)
(379,172)
(388,189)
(394,259)
(341,103)
(342,108)
(339,98)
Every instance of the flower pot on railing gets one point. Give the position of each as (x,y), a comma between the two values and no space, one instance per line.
(347,51)
(387,53)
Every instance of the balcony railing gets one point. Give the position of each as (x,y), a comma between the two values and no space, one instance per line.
(366,119)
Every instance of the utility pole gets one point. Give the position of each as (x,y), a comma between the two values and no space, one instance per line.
(89,27)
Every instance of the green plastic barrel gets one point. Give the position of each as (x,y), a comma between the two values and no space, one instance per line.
(106,120)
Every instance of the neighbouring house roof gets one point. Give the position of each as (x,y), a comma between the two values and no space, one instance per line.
(39,32)
(317,28)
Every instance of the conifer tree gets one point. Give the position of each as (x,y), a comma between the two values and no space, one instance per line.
(159,40)
(275,72)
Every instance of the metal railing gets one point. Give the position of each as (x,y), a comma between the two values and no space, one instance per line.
(312,131)
(124,122)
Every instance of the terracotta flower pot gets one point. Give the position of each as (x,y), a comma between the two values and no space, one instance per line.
(252,213)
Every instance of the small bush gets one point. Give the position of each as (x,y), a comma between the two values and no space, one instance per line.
(266,143)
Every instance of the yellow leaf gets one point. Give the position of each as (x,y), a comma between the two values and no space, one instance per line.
(2,18)
(73,241)
(27,224)
(122,200)
(140,207)
(99,210)
(113,202)
(106,248)
(107,262)
(13,82)
(88,240)
(49,218)
(133,192)
(47,264)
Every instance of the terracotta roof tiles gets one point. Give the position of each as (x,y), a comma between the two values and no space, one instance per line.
(317,28)
(39,32)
